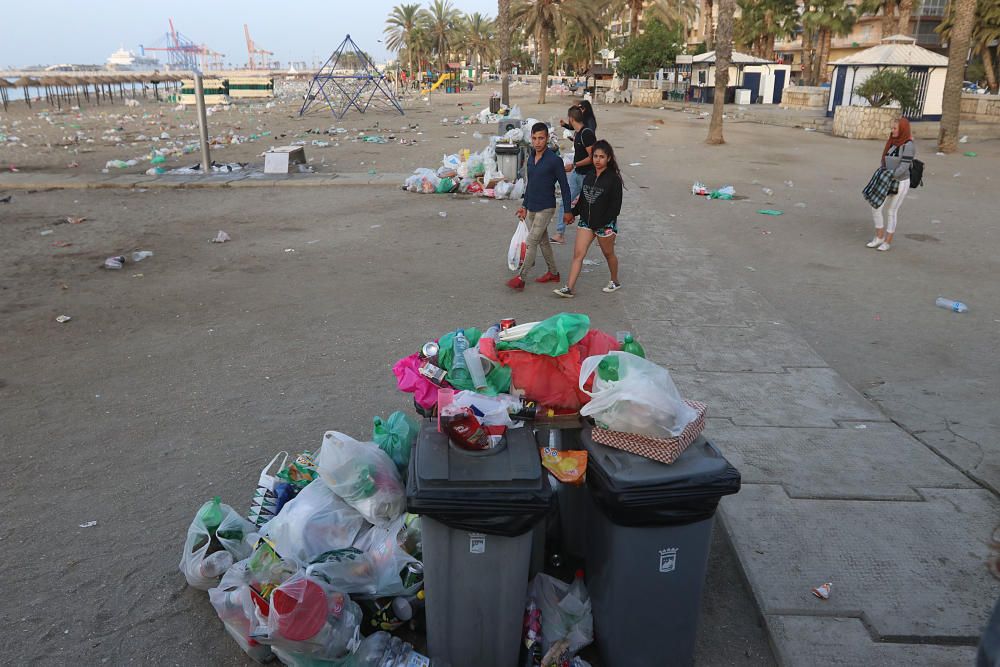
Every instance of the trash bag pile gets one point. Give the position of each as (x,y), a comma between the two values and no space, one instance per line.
(325,554)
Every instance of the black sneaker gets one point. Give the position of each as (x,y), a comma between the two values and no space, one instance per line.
(564,292)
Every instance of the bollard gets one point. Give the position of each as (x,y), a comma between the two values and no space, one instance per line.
(199,94)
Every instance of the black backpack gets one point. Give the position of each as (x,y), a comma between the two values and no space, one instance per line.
(916,173)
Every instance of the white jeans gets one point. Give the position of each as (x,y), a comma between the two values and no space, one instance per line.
(892,204)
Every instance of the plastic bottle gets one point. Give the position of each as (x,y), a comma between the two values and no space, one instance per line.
(956,306)
(578,589)
(211,515)
(607,370)
(475,366)
(215,565)
(493,332)
(459,345)
(140,255)
(631,345)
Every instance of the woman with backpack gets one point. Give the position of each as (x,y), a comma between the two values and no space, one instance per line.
(897,158)
(598,206)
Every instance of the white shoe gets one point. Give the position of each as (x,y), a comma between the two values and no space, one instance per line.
(612,286)
(884,247)
(874,243)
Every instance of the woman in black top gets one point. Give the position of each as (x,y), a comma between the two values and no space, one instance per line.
(598,206)
(589,119)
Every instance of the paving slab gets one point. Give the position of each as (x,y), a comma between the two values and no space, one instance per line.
(870,461)
(814,640)
(760,346)
(803,397)
(727,307)
(915,571)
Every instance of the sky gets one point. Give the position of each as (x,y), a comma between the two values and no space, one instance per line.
(87,31)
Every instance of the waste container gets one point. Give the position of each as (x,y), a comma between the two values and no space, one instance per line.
(479,511)
(494,105)
(572,501)
(743,96)
(507,160)
(647,551)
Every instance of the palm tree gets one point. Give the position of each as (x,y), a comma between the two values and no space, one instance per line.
(762,22)
(723,56)
(963,14)
(985,32)
(480,40)
(670,12)
(579,39)
(708,26)
(400,30)
(821,21)
(443,22)
(540,18)
(905,12)
(503,34)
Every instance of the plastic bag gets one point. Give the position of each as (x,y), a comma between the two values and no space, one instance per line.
(515,112)
(567,466)
(475,188)
(382,548)
(518,191)
(309,617)
(553,336)
(643,400)
(264,505)
(518,247)
(410,381)
(502,189)
(395,436)
(314,522)
(445,185)
(491,410)
(497,379)
(447,172)
(363,476)
(217,537)
(451,161)
(300,472)
(552,381)
(566,612)
(232,602)
(429,184)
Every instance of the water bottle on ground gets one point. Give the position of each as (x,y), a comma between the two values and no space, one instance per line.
(956,306)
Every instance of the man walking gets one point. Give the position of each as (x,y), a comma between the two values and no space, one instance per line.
(583,145)
(545,169)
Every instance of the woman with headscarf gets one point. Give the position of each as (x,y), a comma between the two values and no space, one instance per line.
(897,156)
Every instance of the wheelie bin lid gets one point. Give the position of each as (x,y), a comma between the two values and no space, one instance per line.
(635,491)
(501,493)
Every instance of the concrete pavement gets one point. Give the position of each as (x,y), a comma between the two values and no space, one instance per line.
(833,490)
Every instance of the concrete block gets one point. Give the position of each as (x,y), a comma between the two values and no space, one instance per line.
(910,569)
(868,461)
(804,397)
(814,640)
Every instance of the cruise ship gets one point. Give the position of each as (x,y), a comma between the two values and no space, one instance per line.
(123,59)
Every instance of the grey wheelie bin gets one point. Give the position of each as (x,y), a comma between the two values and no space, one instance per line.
(479,513)
(647,551)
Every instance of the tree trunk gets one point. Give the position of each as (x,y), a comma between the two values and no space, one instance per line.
(958,49)
(888,18)
(543,64)
(807,58)
(905,12)
(503,23)
(825,43)
(723,56)
(991,72)
(709,31)
(635,6)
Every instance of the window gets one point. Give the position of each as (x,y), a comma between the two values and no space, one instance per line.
(932,7)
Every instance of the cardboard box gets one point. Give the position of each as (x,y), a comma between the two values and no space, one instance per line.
(279,160)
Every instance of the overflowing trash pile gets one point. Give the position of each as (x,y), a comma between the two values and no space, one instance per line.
(326,550)
(478,173)
(327,563)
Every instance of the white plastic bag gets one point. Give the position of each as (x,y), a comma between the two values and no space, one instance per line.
(643,400)
(515,113)
(518,191)
(231,601)
(309,617)
(518,247)
(363,476)
(314,522)
(262,507)
(495,409)
(503,189)
(381,546)
(566,612)
(228,543)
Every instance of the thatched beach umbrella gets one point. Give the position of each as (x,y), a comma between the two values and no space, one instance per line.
(24,82)
(4,85)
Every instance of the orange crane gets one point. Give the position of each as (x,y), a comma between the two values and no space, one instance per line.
(253,51)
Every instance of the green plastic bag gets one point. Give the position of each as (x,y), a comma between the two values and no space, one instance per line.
(552,337)
(497,380)
(445,185)
(395,436)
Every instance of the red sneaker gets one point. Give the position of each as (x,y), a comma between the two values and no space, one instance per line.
(548,278)
(516,283)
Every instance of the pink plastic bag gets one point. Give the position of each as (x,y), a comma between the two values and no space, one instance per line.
(409,380)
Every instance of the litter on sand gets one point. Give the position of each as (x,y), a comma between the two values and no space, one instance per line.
(221,237)
(770,211)
(63,319)
(88,524)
